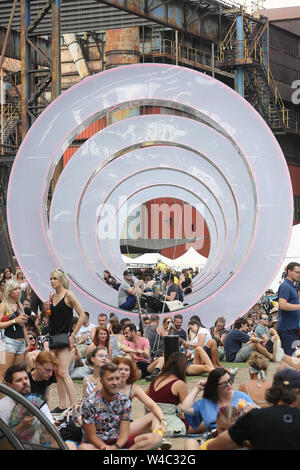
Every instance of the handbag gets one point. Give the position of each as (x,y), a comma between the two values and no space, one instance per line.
(59,341)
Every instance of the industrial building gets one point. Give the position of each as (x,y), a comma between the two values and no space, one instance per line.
(47,46)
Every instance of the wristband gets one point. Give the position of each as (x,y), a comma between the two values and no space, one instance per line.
(117,446)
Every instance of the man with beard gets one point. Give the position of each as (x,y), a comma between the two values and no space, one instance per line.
(106,417)
(23,423)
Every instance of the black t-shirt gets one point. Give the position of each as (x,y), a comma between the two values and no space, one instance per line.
(174,288)
(41,387)
(233,343)
(273,428)
(180,333)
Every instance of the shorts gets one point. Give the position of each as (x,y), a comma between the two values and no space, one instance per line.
(269,346)
(189,362)
(15,346)
(244,353)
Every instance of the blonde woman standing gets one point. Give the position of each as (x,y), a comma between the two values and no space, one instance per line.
(12,321)
(62,304)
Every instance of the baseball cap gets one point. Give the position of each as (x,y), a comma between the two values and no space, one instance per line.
(288,378)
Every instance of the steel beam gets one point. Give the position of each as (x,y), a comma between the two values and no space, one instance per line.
(177,14)
(35,81)
(25,65)
(13,46)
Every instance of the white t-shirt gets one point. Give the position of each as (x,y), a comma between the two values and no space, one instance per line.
(86,330)
(202,331)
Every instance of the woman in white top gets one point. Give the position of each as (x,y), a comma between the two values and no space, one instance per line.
(201,337)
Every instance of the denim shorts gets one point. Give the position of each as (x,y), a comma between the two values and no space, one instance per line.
(15,346)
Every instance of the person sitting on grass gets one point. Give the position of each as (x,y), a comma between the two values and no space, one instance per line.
(239,345)
(106,416)
(217,392)
(153,421)
(257,386)
(226,417)
(168,389)
(276,427)
(95,359)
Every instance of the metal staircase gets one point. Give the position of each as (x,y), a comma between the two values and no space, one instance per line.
(260,87)
(11,118)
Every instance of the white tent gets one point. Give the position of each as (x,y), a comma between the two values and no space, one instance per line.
(189,259)
(127,259)
(292,254)
(150,259)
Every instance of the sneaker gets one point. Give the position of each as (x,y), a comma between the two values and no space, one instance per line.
(165,445)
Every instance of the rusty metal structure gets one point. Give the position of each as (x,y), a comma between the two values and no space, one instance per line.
(53,44)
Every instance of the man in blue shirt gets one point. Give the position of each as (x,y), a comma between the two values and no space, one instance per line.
(239,345)
(289,309)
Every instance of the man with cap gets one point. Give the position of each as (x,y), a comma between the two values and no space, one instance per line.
(129,293)
(276,427)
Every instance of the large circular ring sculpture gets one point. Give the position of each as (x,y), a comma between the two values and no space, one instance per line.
(221,158)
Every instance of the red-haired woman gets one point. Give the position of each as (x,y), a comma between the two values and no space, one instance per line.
(129,374)
(101,339)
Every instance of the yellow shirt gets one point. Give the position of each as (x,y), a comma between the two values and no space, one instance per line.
(161,266)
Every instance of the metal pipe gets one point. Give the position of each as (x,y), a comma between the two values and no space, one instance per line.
(77,55)
(239,72)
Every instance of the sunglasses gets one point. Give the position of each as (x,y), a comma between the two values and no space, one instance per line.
(227,383)
(31,338)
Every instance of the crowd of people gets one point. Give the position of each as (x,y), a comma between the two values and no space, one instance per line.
(45,343)
(152,290)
